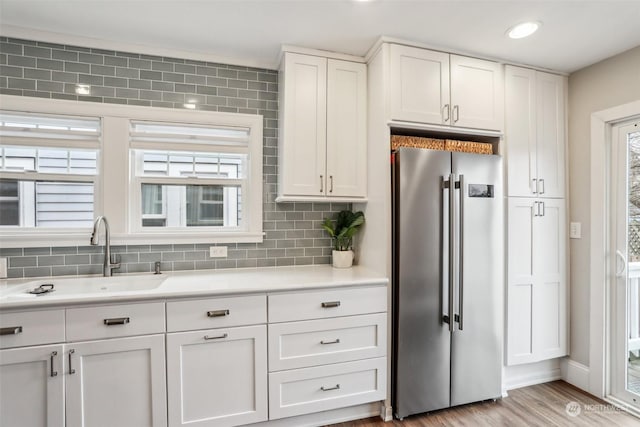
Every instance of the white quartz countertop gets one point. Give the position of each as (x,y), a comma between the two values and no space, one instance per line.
(203,283)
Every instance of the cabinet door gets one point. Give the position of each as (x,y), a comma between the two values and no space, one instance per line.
(477,93)
(118,382)
(520,281)
(520,131)
(32,387)
(550,297)
(550,135)
(304,125)
(217,377)
(346,129)
(419,85)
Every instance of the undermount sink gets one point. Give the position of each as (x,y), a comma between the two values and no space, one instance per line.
(84,286)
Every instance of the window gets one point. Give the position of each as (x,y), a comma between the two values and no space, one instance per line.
(193,177)
(157,174)
(48,167)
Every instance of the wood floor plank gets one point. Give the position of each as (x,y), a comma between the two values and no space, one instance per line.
(541,405)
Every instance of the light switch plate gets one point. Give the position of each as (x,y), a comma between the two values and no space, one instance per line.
(3,268)
(575,230)
(217,251)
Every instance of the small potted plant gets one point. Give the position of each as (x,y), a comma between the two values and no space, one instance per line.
(342,229)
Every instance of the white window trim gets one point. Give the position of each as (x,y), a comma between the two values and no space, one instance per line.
(113,198)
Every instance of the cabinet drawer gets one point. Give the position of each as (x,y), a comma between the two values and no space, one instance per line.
(327,303)
(115,321)
(31,328)
(319,342)
(216,313)
(322,388)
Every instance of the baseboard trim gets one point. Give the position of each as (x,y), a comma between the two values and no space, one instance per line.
(386,412)
(535,373)
(334,416)
(575,374)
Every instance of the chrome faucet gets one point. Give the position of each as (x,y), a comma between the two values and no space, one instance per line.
(108,265)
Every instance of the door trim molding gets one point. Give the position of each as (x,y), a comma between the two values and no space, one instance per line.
(601,124)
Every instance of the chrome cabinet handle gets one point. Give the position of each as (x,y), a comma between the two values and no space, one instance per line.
(336,341)
(11,330)
(535,209)
(207,337)
(447,110)
(336,387)
(71,370)
(541,204)
(456,113)
(217,313)
(541,182)
(321,184)
(330,304)
(117,321)
(535,186)
(331,181)
(53,354)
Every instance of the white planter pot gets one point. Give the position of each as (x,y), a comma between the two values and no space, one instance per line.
(342,259)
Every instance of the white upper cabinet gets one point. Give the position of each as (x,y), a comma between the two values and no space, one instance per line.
(346,129)
(443,89)
(323,118)
(535,133)
(419,85)
(477,96)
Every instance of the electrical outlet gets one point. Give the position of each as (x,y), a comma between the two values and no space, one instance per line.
(218,251)
(575,230)
(3,268)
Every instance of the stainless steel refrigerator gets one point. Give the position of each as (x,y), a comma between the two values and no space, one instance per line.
(448,279)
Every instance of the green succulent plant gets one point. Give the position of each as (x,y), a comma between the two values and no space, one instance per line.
(343,227)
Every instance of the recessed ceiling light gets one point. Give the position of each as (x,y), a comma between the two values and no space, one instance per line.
(83,89)
(524,29)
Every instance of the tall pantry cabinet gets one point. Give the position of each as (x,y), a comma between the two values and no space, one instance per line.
(536,210)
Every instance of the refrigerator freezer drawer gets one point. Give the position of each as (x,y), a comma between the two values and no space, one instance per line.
(322,388)
(319,342)
(327,303)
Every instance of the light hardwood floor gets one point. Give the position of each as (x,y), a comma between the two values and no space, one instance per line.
(541,405)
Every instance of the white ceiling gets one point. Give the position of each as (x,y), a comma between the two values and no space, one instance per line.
(574,33)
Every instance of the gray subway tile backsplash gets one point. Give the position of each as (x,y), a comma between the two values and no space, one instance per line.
(293,235)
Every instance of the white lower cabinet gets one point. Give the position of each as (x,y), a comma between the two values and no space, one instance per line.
(214,362)
(327,350)
(32,386)
(301,391)
(118,382)
(217,377)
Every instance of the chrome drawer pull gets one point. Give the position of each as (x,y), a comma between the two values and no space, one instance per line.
(207,337)
(337,387)
(11,330)
(331,304)
(336,341)
(117,321)
(217,313)
(53,373)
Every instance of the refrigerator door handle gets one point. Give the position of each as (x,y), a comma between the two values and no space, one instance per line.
(460,186)
(446,306)
(452,230)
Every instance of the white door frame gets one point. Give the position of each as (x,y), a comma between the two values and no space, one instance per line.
(601,125)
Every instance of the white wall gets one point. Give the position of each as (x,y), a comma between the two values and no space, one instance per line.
(607,84)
